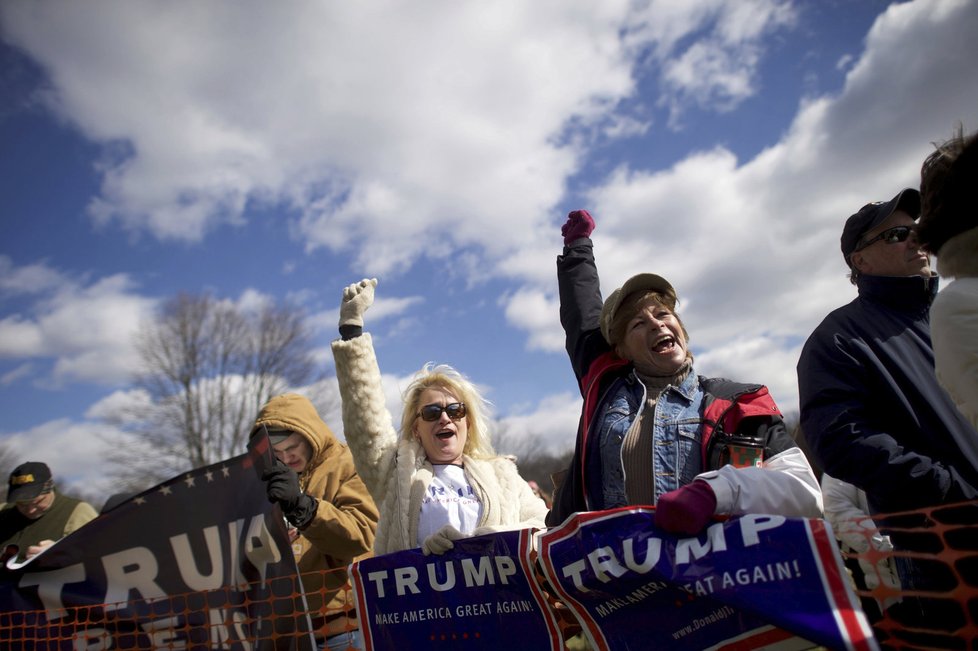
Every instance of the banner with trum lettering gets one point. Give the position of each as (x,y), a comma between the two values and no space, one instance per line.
(202,561)
(480,595)
(752,581)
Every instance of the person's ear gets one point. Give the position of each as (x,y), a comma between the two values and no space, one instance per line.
(858,261)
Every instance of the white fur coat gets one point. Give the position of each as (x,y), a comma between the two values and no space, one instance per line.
(395,469)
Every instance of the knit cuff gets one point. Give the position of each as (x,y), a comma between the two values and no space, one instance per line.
(349,331)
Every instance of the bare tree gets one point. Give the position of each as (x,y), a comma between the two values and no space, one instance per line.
(534,460)
(207,366)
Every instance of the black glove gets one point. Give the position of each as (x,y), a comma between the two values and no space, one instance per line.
(282,486)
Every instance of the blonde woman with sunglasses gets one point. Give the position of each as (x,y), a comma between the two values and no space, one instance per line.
(439,480)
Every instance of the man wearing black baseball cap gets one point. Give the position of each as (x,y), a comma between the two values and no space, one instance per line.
(35,516)
(871,407)
(890,222)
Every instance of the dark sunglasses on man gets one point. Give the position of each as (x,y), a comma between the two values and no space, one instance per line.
(432,412)
(890,236)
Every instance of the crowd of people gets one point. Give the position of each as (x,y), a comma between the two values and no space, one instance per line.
(888,399)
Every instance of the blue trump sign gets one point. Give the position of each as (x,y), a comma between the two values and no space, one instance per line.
(754,580)
(479,595)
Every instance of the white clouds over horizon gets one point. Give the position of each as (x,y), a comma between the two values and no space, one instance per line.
(381,131)
(446,134)
(753,246)
(84,326)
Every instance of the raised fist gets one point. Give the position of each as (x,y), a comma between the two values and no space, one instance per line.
(579,224)
(356,299)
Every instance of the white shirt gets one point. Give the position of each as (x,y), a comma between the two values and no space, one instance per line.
(449,499)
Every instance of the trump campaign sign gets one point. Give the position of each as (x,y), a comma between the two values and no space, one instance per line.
(480,595)
(752,581)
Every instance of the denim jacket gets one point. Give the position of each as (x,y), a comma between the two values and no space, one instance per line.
(687,419)
(676,438)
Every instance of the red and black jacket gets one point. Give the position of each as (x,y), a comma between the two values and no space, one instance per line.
(733,412)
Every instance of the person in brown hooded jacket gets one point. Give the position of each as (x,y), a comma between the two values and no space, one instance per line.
(317,486)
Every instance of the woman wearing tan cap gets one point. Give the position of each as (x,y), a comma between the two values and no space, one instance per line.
(654,432)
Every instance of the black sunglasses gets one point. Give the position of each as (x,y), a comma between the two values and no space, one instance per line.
(432,412)
(890,236)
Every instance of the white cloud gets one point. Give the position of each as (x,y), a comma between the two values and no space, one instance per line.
(131,401)
(624,126)
(56,443)
(552,422)
(382,309)
(19,337)
(753,246)
(717,69)
(538,314)
(28,279)
(706,74)
(21,371)
(86,330)
(252,301)
(767,360)
(380,132)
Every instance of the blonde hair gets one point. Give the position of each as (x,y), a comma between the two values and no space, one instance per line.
(478,444)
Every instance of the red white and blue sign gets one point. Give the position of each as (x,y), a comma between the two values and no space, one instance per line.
(754,581)
(194,563)
(480,595)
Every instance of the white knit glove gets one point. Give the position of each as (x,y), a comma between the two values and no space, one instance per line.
(442,540)
(356,299)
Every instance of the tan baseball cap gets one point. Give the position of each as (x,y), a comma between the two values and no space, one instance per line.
(634,284)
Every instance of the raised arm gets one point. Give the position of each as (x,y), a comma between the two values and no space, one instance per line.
(367,424)
(580,293)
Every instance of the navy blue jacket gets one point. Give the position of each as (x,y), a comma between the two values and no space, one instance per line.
(872,410)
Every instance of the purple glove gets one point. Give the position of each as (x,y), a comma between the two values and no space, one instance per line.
(686,510)
(579,224)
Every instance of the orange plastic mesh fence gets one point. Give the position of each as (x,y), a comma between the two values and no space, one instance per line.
(929,602)
(916,574)
(225,618)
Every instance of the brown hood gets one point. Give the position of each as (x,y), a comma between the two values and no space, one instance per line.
(294,412)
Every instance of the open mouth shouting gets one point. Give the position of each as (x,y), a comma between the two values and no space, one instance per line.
(653,339)
(441,425)
(664,344)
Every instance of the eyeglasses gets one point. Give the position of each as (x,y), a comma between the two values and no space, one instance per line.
(890,236)
(432,412)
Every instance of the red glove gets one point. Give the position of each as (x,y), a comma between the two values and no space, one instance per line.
(579,224)
(686,510)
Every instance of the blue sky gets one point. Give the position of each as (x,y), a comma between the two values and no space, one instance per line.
(260,151)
